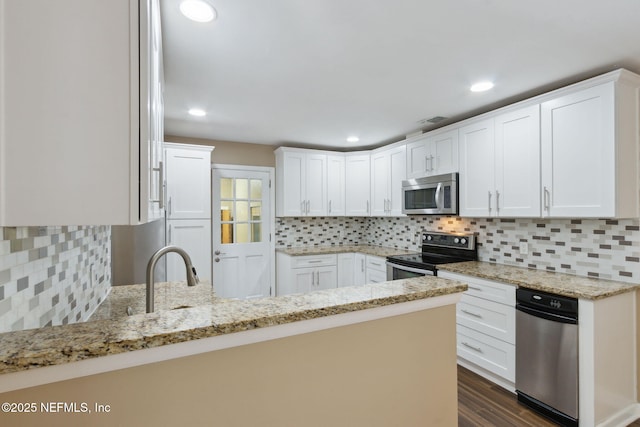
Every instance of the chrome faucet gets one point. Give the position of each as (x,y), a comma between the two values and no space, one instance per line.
(192,277)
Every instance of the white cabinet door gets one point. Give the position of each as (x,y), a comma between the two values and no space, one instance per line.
(303,279)
(360,269)
(315,190)
(291,182)
(326,278)
(379,183)
(194,236)
(70,138)
(477,165)
(397,174)
(388,170)
(188,180)
(418,152)
(578,154)
(517,164)
(357,176)
(346,269)
(443,152)
(336,185)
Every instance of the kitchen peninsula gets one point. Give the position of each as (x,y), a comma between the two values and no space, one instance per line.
(376,354)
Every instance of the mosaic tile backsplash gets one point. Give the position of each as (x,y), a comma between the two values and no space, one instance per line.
(608,249)
(52,275)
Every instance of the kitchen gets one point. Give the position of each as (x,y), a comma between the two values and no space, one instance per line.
(604,248)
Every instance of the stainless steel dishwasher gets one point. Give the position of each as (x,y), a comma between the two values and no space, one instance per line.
(547,354)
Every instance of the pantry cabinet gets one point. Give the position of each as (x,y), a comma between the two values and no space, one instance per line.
(590,152)
(500,166)
(301,182)
(433,153)
(81,111)
(388,170)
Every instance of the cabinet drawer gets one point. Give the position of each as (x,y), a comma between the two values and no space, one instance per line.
(377,263)
(487,352)
(313,261)
(376,276)
(493,319)
(486,289)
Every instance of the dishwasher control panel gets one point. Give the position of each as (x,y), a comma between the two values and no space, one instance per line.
(548,302)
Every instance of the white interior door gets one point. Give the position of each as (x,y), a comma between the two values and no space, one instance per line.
(243,255)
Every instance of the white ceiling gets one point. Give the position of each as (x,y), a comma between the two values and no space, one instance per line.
(313,72)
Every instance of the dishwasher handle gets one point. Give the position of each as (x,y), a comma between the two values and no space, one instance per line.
(546,315)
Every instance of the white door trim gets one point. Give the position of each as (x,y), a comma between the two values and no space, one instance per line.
(272,211)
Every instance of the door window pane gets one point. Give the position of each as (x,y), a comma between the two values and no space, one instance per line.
(256,189)
(226,188)
(242,211)
(242,188)
(226,233)
(226,211)
(256,232)
(242,233)
(256,211)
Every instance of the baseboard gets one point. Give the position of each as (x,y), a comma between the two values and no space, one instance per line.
(622,418)
(506,384)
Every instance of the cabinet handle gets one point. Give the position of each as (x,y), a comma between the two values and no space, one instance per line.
(317,278)
(362,265)
(329,206)
(170,227)
(431,163)
(313,278)
(497,201)
(367,206)
(547,197)
(160,199)
(308,206)
(170,206)
(315,261)
(470,313)
(426,164)
(475,288)
(302,206)
(375,263)
(489,199)
(478,349)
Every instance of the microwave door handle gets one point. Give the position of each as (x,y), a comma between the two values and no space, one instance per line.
(438,188)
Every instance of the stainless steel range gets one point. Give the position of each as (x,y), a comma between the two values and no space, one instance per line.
(437,248)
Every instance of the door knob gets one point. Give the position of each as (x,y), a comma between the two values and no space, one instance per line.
(217,252)
(217,259)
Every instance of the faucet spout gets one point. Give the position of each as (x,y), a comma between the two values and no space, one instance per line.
(192,277)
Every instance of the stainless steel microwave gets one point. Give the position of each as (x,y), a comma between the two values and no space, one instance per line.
(431,195)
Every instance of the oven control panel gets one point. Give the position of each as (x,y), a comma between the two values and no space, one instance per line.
(461,241)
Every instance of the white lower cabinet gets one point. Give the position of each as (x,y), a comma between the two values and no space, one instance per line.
(194,236)
(346,269)
(376,269)
(301,274)
(486,325)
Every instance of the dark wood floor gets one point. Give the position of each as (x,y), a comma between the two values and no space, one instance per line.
(482,403)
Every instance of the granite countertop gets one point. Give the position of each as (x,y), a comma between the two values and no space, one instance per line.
(168,296)
(380,251)
(23,350)
(540,280)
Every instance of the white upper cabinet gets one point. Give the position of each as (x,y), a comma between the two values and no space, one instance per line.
(388,170)
(590,151)
(301,182)
(336,185)
(188,181)
(433,153)
(358,187)
(500,165)
(81,111)
(517,163)
(477,164)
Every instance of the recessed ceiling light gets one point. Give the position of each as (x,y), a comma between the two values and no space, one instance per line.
(481,86)
(198,10)
(353,139)
(197,112)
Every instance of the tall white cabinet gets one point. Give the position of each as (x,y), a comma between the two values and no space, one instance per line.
(336,185)
(92,112)
(188,195)
(358,197)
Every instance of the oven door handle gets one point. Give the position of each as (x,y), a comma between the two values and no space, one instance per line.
(410,269)
(438,188)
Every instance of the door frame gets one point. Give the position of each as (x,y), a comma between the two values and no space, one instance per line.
(272,213)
